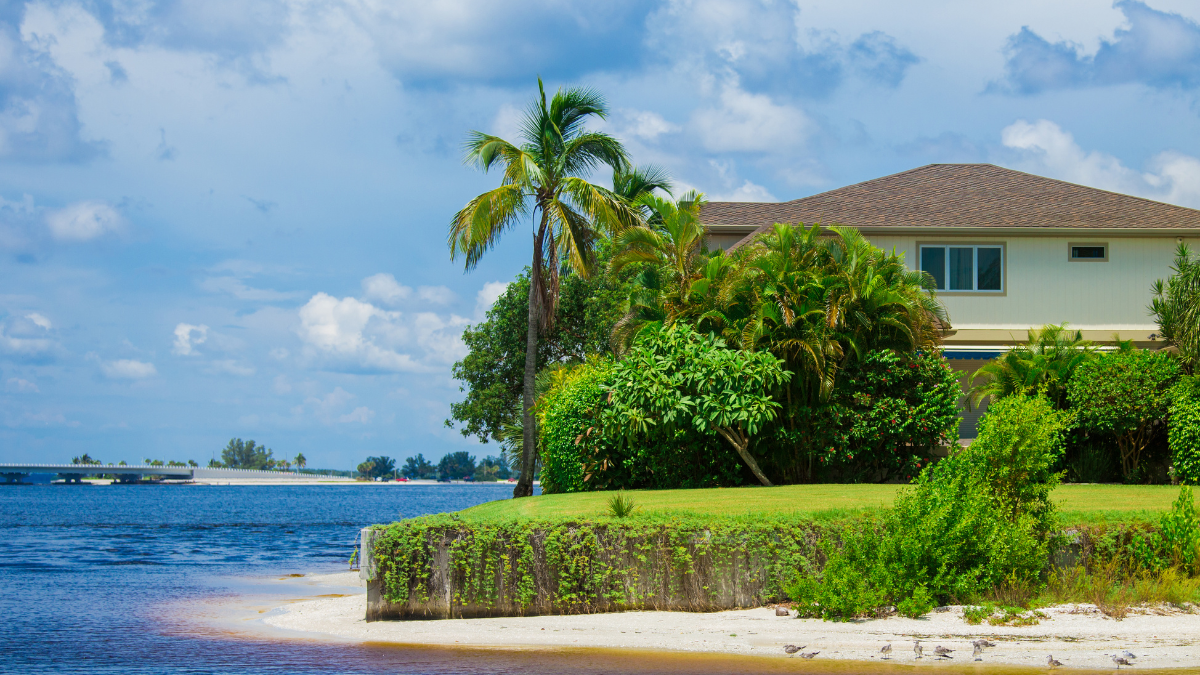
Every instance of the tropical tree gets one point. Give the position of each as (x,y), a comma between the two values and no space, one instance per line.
(543,180)
(300,461)
(1176,307)
(1043,364)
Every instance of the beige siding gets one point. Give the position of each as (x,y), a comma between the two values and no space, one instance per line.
(1042,286)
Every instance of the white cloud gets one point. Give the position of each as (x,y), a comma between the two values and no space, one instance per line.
(438,295)
(487,297)
(238,289)
(507,123)
(185,342)
(746,192)
(745,122)
(337,328)
(385,289)
(281,385)
(20,386)
(83,221)
(361,414)
(1044,148)
(328,409)
(647,125)
(39,320)
(279,353)
(128,369)
(232,367)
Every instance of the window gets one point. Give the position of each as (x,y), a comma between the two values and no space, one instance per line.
(965,268)
(1089,252)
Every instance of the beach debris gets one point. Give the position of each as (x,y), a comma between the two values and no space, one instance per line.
(917,649)
(983,642)
(886,650)
(1119,661)
(978,653)
(781,611)
(809,655)
(1051,662)
(942,652)
(792,649)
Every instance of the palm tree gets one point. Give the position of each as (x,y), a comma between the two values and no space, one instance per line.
(543,180)
(301,462)
(1176,306)
(1044,364)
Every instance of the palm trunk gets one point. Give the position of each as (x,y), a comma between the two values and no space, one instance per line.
(524,486)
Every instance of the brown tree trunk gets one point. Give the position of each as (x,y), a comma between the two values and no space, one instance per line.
(524,486)
(741,443)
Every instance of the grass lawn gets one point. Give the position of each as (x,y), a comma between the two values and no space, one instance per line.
(1078,503)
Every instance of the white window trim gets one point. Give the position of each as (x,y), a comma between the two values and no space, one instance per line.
(974,267)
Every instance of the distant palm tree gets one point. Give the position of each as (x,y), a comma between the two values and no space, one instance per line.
(1044,364)
(1176,306)
(544,181)
(301,462)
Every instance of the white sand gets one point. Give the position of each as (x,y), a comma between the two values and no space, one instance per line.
(1077,635)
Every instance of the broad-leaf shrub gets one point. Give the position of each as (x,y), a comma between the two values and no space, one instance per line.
(676,379)
(1183,431)
(971,523)
(568,424)
(1126,394)
(1176,544)
(887,413)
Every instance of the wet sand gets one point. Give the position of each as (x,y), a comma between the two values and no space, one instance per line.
(1079,636)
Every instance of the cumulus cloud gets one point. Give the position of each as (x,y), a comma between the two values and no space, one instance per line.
(745,122)
(185,341)
(17,385)
(746,192)
(646,125)
(39,320)
(27,339)
(1043,147)
(438,295)
(1158,49)
(430,42)
(128,369)
(385,289)
(328,409)
(350,334)
(83,221)
(487,296)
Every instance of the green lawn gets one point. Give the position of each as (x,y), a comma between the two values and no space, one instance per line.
(1078,503)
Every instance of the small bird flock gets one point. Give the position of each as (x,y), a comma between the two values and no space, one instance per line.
(1125,658)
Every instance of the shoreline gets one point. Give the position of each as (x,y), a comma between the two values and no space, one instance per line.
(1077,635)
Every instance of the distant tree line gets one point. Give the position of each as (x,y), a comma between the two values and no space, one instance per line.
(239,454)
(454,466)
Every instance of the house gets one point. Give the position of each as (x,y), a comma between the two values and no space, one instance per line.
(1009,250)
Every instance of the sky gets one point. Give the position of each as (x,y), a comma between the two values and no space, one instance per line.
(228,218)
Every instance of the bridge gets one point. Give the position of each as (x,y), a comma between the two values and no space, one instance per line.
(75,473)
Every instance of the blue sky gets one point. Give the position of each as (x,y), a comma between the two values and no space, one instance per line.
(227,218)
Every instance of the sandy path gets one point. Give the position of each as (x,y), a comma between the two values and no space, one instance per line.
(1077,635)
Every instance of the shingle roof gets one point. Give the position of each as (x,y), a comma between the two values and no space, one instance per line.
(962,196)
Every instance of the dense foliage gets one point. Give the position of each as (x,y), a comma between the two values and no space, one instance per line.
(1041,366)
(676,379)
(886,415)
(418,467)
(1184,431)
(1126,394)
(1176,308)
(972,523)
(457,465)
(240,454)
(568,419)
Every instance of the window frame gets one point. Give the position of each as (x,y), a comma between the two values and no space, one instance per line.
(1071,245)
(976,245)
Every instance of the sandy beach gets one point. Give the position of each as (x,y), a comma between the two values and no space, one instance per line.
(1077,635)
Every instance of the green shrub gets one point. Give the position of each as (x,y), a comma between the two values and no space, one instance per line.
(1126,394)
(568,424)
(976,521)
(1176,544)
(1183,431)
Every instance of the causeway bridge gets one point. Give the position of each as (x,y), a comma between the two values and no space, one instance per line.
(75,473)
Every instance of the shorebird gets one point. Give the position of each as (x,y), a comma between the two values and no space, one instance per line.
(886,650)
(1052,663)
(792,649)
(983,642)
(1120,661)
(978,653)
(917,648)
(1128,654)
(943,652)
(809,655)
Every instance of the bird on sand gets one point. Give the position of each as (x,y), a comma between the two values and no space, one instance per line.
(917,648)
(886,650)
(983,642)
(1128,654)
(978,653)
(809,655)
(943,652)
(1120,661)
(792,649)
(1051,662)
